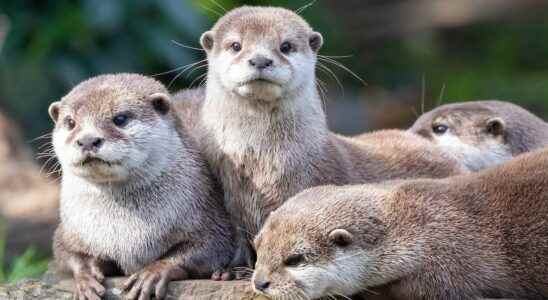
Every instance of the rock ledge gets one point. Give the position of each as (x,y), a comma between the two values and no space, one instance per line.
(51,287)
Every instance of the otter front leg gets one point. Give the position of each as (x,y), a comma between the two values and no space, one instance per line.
(89,279)
(88,276)
(88,272)
(154,278)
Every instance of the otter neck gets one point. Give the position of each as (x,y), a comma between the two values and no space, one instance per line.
(295,116)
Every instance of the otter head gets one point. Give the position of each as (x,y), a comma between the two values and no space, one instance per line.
(112,127)
(317,244)
(475,135)
(262,53)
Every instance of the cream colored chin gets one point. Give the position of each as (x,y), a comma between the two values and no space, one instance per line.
(101,173)
(260,90)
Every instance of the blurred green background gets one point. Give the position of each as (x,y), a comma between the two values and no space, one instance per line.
(412,54)
(406,51)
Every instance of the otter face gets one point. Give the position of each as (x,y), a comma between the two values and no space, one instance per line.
(107,135)
(475,137)
(294,262)
(262,53)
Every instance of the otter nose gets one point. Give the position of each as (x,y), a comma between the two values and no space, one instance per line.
(260,62)
(90,143)
(261,285)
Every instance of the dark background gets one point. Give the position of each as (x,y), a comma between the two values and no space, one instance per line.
(413,55)
(408,52)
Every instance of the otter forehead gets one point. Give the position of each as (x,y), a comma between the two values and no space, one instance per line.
(312,214)
(292,231)
(261,20)
(460,115)
(105,95)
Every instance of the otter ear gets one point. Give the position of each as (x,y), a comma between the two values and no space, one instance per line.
(316,41)
(53,111)
(341,237)
(206,40)
(495,126)
(160,102)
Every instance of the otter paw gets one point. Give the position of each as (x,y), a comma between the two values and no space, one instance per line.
(223,275)
(144,284)
(88,287)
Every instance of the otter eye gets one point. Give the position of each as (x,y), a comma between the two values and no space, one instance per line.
(439,129)
(70,123)
(294,260)
(286,47)
(237,47)
(120,120)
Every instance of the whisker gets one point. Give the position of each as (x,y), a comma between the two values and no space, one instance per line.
(323,93)
(175,78)
(218,5)
(423,94)
(197,78)
(167,72)
(203,82)
(440,99)
(336,56)
(249,234)
(46,144)
(333,75)
(303,8)
(343,67)
(187,67)
(415,112)
(192,70)
(43,136)
(343,296)
(220,15)
(185,46)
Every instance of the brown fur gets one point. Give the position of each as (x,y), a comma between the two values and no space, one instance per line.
(265,151)
(175,214)
(481,235)
(521,130)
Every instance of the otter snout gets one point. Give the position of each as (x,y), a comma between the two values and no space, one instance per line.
(260,62)
(90,143)
(260,281)
(261,284)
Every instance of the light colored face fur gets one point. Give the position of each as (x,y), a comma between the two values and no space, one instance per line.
(108,127)
(262,53)
(474,137)
(310,249)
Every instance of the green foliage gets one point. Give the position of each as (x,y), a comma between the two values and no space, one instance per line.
(28,265)
(53,45)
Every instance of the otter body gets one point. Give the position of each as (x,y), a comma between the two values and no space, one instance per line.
(137,198)
(480,235)
(481,134)
(263,129)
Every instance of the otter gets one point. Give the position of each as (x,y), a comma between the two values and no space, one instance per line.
(479,235)
(482,134)
(137,197)
(263,130)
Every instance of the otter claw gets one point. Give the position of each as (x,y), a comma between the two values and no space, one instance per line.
(88,288)
(143,285)
(223,275)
